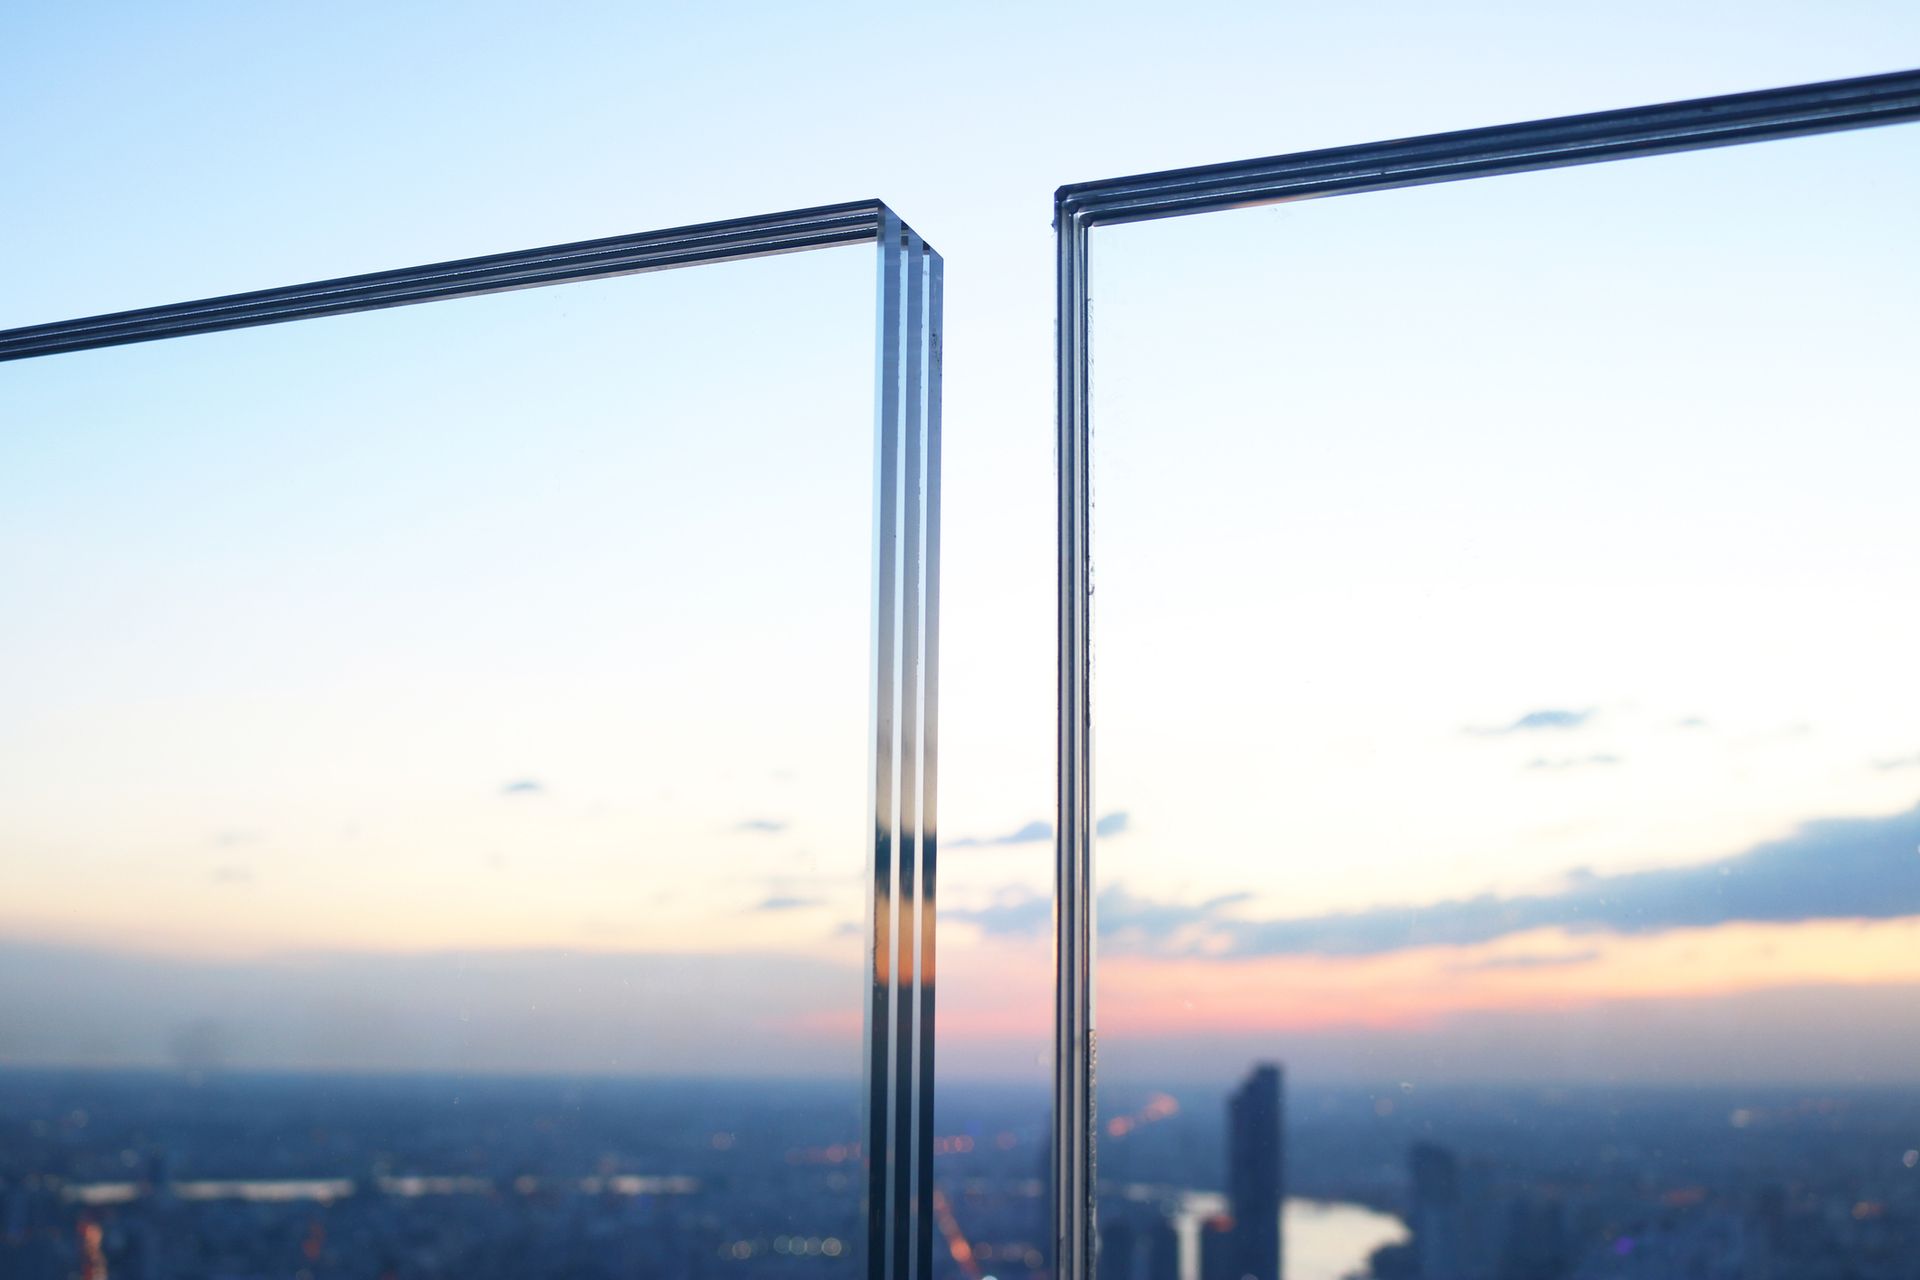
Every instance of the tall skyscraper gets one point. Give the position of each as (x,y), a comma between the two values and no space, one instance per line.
(1256,1173)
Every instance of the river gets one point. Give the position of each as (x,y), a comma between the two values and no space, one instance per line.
(1322,1239)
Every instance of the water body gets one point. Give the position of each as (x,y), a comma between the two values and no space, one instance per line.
(1330,1240)
(1322,1239)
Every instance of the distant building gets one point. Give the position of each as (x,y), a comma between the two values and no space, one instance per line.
(1256,1174)
(1162,1249)
(1538,1244)
(1218,1258)
(1461,1222)
(1482,1221)
(1435,1212)
(1116,1249)
(1137,1243)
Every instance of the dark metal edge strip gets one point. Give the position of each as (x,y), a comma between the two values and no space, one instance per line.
(619,255)
(931,357)
(1539,144)
(877,1155)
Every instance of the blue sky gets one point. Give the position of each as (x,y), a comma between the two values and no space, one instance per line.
(200,149)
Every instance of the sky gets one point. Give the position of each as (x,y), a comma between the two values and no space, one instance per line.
(414,657)
(1589,506)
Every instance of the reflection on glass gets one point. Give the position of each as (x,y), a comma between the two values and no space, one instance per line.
(1506,724)
(435,750)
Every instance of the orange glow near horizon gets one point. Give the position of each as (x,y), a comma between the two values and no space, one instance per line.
(1540,971)
(1006,994)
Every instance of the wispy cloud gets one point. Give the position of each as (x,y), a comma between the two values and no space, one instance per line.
(524,787)
(1898,762)
(1131,920)
(1144,922)
(231,875)
(787,902)
(1013,913)
(1033,833)
(1039,830)
(765,826)
(1545,719)
(1527,960)
(1828,869)
(1572,762)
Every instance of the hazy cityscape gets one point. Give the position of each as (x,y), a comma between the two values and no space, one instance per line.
(172,1176)
(1545,1183)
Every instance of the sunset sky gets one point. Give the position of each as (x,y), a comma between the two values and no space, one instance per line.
(1502,606)
(1505,612)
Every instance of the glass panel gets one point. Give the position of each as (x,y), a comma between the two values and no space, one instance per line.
(1507,742)
(435,811)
